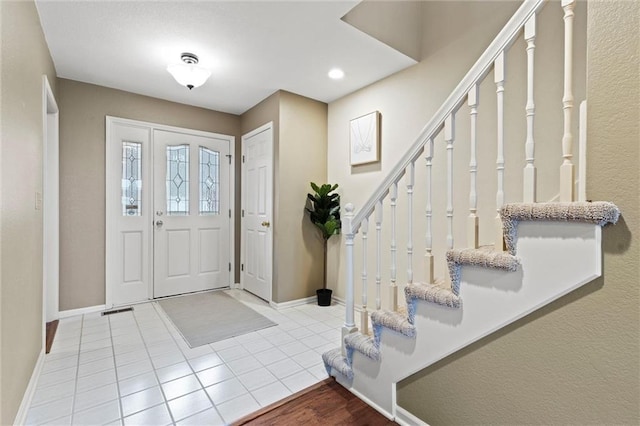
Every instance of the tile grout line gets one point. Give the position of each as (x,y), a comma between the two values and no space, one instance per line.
(155,373)
(75,387)
(115,369)
(155,307)
(291,316)
(262,366)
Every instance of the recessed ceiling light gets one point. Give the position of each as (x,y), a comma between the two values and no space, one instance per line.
(336,74)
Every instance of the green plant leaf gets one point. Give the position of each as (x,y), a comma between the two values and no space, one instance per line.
(324,209)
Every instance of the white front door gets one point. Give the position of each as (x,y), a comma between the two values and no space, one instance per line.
(192,213)
(257,226)
(167,211)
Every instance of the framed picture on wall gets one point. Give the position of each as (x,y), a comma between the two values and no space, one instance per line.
(365,139)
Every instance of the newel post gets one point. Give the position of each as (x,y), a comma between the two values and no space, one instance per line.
(347,230)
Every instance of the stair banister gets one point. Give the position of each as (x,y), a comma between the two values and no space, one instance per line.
(378,214)
(428,256)
(364,323)
(567,168)
(393,289)
(449,137)
(482,66)
(529,173)
(410,183)
(473,221)
(349,234)
(499,79)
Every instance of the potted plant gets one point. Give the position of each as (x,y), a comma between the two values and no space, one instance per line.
(324,212)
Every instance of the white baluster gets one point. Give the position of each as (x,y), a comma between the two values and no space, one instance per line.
(378,214)
(449,135)
(529,177)
(499,80)
(582,152)
(364,319)
(347,230)
(428,255)
(472,221)
(410,182)
(393,289)
(567,169)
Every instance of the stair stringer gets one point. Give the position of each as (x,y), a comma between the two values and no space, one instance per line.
(555,257)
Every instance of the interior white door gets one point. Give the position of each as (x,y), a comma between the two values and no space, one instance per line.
(257,227)
(192,213)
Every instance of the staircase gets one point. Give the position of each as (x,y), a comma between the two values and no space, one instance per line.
(541,250)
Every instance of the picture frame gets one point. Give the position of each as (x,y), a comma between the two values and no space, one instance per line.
(364,139)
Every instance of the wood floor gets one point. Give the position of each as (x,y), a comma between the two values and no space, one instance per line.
(326,403)
(51,328)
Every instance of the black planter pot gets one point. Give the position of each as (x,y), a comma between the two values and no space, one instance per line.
(324,296)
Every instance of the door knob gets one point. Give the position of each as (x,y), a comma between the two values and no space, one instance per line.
(159,222)
(266,224)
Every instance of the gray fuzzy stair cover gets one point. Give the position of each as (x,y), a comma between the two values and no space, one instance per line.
(333,359)
(429,293)
(476,257)
(598,213)
(393,321)
(363,344)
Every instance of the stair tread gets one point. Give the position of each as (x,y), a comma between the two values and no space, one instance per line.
(599,213)
(362,343)
(393,321)
(333,359)
(485,258)
(433,293)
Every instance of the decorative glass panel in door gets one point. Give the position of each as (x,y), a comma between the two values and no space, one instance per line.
(131,178)
(178,180)
(209,181)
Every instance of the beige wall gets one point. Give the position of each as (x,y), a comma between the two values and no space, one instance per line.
(300,141)
(408,99)
(395,23)
(576,361)
(25,58)
(298,254)
(83,108)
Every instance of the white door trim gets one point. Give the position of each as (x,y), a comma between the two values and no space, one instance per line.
(50,201)
(109,120)
(267,126)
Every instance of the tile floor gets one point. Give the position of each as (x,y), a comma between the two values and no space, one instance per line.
(134,368)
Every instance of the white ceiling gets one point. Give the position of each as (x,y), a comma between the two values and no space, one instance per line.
(252,48)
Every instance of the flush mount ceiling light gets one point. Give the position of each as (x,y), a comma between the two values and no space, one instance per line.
(336,74)
(188,73)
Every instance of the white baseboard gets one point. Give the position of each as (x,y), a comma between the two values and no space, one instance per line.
(21,416)
(82,311)
(292,303)
(405,418)
(338,300)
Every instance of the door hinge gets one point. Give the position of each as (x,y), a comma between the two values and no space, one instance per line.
(242,212)
(242,266)
(229,213)
(229,266)
(243,158)
(229,157)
